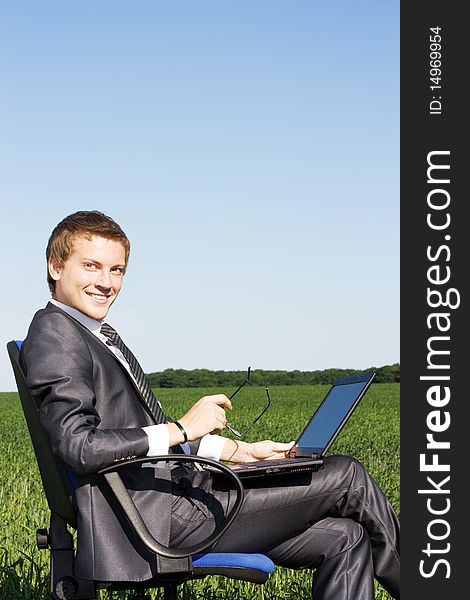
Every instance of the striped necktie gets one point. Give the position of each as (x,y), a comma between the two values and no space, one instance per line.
(136,369)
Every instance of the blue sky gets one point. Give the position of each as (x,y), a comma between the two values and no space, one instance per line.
(250,150)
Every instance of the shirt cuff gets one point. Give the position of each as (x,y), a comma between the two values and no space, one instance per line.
(211,446)
(159,439)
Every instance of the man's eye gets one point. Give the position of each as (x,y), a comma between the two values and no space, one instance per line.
(118,270)
(89,266)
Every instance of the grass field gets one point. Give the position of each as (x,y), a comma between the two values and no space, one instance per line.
(372,436)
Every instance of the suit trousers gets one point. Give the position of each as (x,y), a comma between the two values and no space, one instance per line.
(336,521)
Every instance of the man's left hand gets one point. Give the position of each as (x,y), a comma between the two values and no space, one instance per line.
(266,450)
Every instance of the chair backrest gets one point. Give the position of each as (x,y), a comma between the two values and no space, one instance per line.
(55,480)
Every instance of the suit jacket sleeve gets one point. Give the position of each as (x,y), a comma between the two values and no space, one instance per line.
(60,373)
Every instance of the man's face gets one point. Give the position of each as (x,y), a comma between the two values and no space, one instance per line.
(91,278)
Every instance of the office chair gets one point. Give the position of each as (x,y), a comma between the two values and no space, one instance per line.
(173,565)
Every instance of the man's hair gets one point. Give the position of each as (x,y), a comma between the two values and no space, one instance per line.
(84,223)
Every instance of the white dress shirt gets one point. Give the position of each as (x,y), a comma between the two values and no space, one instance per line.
(159,437)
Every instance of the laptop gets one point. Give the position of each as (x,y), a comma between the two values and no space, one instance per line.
(320,432)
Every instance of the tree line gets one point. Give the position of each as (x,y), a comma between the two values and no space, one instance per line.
(175,378)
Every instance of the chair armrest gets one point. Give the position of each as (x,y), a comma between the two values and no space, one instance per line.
(122,495)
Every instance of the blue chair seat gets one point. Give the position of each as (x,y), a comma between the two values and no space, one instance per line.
(249,567)
(233,559)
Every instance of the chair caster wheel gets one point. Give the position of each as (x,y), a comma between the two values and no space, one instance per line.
(66,588)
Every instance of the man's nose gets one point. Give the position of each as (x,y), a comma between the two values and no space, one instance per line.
(104,280)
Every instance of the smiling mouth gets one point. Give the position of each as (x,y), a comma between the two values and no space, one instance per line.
(100,298)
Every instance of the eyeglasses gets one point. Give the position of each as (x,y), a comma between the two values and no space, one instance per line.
(245,431)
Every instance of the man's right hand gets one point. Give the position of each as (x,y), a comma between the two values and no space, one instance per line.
(206,416)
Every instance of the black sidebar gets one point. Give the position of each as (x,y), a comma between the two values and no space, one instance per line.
(435,361)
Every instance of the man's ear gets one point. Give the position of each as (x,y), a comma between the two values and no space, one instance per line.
(54,269)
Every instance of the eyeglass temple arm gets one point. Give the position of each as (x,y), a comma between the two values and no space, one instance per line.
(242,384)
(260,415)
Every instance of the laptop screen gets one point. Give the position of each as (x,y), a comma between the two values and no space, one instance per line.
(332,413)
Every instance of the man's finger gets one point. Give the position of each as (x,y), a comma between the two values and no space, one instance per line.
(221,400)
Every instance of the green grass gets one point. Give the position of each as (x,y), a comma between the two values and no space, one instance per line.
(372,436)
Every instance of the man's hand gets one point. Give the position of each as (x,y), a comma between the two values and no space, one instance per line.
(206,416)
(244,452)
(266,450)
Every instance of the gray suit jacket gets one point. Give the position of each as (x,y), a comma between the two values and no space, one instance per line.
(93,414)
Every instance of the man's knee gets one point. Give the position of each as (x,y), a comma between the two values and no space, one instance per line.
(345,467)
(352,532)
(347,536)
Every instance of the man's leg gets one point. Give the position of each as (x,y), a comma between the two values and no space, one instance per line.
(339,551)
(278,508)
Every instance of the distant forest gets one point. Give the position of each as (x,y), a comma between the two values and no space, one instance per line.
(176,378)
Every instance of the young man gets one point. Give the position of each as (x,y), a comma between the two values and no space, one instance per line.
(97,407)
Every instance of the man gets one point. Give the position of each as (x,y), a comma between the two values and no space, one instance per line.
(96,407)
